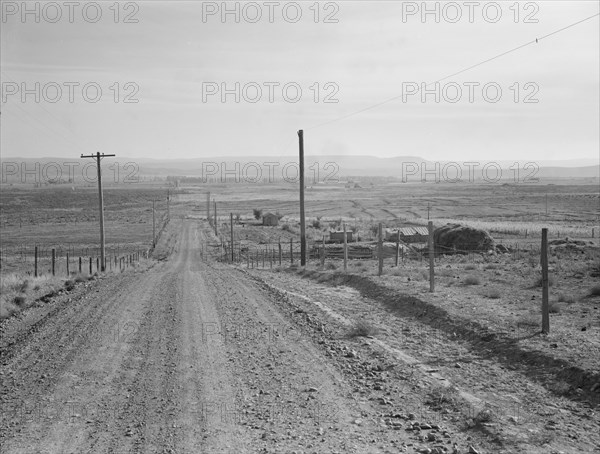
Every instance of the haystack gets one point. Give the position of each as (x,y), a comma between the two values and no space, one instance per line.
(460,238)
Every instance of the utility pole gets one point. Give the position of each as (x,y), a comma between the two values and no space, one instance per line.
(544,264)
(345,248)
(231,222)
(168,207)
(302,220)
(98,156)
(215,219)
(431,257)
(428,209)
(208,207)
(153,225)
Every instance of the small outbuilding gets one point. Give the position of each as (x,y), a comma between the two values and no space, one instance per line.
(416,234)
(338,236)
(270,219)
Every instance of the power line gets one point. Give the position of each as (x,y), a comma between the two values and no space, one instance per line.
(343,117)
(48,128)
(75,140)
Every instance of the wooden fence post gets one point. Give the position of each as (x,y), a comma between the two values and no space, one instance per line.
(90,265)
(97,264)
(431,258)
(68,273)
(544,263)
(53,261)
(35,259)
(79,264)
(345,249)
(380,249)
(280,253)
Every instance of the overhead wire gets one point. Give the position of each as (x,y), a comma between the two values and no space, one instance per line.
(483,62)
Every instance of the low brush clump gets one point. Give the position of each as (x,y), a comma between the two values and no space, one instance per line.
(396,272)
(493,293)
(362,329)
(472,280)
(554,308)
(440,397)
(595,290)
(562,298)
(20,301)
(538,282)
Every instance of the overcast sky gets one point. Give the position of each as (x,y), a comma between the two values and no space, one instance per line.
(359,53)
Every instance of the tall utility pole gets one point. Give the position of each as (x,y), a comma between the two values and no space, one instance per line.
(428,209)
(98,156)
(302,220)
(153,225)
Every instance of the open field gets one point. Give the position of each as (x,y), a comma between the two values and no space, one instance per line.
(507,210)
(66,219)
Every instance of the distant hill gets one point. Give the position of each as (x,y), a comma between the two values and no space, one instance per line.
(319,168)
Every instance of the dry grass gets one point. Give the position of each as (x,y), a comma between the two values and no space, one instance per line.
(18,291)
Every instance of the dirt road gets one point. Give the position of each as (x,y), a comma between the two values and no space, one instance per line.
(186,356)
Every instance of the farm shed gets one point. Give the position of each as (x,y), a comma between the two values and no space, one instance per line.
(270,219)
(338,236)
(416,234)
